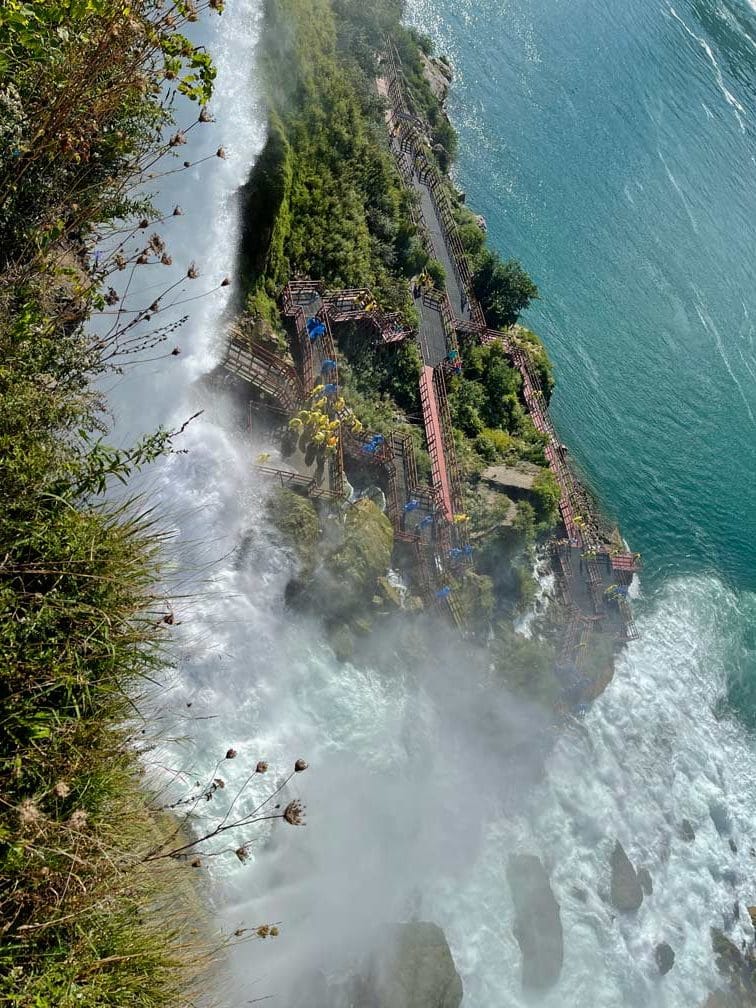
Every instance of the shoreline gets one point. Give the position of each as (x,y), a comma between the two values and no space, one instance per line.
(592,571)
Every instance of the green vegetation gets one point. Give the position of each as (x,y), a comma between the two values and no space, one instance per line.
(437,273)
(487,411)
(86,921)
(504,289)
(325,198)
(412,47)
(325,201)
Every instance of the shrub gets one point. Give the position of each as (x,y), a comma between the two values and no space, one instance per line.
(437,273)
(503,288)
(546,495)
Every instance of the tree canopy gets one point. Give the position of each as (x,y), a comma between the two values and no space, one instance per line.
(503,288)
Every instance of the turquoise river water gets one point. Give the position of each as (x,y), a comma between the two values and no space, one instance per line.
(612,149)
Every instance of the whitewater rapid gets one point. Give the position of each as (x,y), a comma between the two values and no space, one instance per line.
(414,798)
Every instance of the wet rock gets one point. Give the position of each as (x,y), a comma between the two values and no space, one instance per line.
(410,966)
(644,877)
(537,926)
(389,595)
(665,957)
(579,893)
(737,969)
(438,75)
(342,642)
(626,890)
(733,846)
(721,819)
(752,914)
(687,832)
(419,971)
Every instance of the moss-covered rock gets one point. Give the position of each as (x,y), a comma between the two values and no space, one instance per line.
(388,596)
(474,598)
(363,556)
(296,518)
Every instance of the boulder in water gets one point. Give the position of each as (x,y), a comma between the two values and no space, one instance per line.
(410,966)
(721,819)
(626,891)
(537,926)
(644,877)
(419,971)
(665,957)
(687,832)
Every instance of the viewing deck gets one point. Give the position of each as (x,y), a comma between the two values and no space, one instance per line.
(459,311)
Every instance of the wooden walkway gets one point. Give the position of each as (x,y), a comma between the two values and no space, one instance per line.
(435,438)
(463,314)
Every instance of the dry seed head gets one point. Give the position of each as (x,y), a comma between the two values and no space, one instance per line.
(242,853)
(294,813)
(61,789)
(29,813)
(231,754)
(192,272)
(261,767)
(221,153)
(196,863)
(78,820)
(204,116)
(166,260)
(300,765)
(177,211)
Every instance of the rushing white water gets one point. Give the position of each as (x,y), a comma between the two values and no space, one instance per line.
(418,790)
